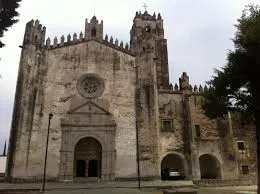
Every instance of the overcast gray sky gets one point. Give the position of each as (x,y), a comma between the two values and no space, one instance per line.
(199,34)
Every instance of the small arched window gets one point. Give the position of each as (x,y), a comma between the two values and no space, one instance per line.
(93,32)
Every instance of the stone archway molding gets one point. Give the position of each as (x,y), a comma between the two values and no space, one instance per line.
(87,120)
(216,160)
(184,163)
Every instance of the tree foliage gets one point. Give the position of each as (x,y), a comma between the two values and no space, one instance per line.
(8,15)
(231,86)
(237,85)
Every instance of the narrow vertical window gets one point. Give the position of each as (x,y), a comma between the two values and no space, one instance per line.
(197,131)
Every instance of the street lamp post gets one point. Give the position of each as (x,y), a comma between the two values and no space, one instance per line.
(46,151)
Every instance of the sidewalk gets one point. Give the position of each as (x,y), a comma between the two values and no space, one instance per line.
(117,187)
(97,185)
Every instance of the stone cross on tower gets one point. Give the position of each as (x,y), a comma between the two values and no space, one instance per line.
(145,7)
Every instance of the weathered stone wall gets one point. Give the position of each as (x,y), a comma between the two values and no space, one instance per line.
(29,82)
(171,108)
(136,98)
(145,30)
(244,131)
(211,141)
(147,120)
(65,66)
(2,164)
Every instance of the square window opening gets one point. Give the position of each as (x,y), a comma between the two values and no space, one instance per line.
(241,145)
(167,125)
(197,130)
(245,169)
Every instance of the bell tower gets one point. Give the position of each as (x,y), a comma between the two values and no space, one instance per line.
(94,29)
(150,49)
(147,41)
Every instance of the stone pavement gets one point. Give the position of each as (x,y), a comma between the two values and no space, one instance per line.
(106,191)
(228,190)
(96,185)
(117,187)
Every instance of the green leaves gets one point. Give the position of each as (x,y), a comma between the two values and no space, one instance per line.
(231,87)
(7,15)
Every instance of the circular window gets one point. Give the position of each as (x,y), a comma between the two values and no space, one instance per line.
(90,86)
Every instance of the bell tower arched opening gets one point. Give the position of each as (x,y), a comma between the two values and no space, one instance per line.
(93,32)
(93,29)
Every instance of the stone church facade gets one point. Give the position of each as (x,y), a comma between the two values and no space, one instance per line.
(115,113)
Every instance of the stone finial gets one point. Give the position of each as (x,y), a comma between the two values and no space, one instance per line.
(74,37)
(48,42)
(200,89)
(44,29)
(94,20)
(121,44)
(205,88)
(68,38)
(116,42)
(32,22)
(126,46)
(136,13)
(154,15)
(80,36)
(195,88)
(62,38)
(184,81)
(176,88)
(171,86)
(39,27)
(106,38)
(37,22)
(111,40)
(55,42)
(159,17)
(190,88)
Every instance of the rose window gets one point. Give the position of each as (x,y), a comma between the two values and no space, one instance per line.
(90,86)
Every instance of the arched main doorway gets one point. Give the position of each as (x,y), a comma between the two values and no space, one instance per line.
(87,158)
(174,163)
(209,167)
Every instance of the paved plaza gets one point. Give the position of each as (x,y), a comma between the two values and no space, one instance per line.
(122,187)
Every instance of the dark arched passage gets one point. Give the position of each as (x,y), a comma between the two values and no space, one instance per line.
(174,163)
(209,167)
(87,158)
